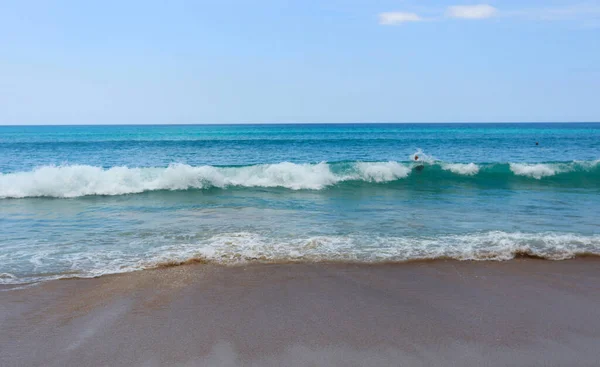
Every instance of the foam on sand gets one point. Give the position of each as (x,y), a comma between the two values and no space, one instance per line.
(250,247)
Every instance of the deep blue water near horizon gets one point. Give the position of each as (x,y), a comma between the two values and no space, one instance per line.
(90,200)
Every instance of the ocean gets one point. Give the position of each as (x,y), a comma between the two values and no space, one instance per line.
(82,201)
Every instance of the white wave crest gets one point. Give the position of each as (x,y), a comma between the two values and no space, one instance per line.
(587,165)
(71,181)
(536,170)
(381,172)
(461,168)
(81,180)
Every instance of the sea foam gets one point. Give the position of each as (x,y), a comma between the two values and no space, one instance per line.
(249,247)
(380,172)
(469,169)
(535,170)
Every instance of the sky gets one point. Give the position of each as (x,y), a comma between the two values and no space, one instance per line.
(267,61)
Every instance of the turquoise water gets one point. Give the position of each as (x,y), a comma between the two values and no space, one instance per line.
(90,200)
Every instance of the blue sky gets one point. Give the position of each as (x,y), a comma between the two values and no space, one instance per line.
(116,62)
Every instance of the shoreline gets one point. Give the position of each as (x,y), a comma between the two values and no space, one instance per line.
(434,312)
(202,261)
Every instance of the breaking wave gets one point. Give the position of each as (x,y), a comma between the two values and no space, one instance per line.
(248,247)
(495,245)
(461,168)
(71,181)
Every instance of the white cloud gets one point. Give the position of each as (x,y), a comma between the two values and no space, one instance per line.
(393,18)
(585,14)
(481,11)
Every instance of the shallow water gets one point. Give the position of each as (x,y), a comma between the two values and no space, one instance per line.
(86,201)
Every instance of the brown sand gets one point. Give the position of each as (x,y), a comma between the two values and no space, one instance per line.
(444,313)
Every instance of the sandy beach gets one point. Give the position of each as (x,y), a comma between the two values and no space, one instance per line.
(524,312)
(299,183)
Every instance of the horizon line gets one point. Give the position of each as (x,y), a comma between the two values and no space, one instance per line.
(306,123)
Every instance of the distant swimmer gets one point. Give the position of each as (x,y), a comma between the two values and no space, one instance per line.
(536,143)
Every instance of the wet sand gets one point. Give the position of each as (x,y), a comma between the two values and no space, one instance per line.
(523,312)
